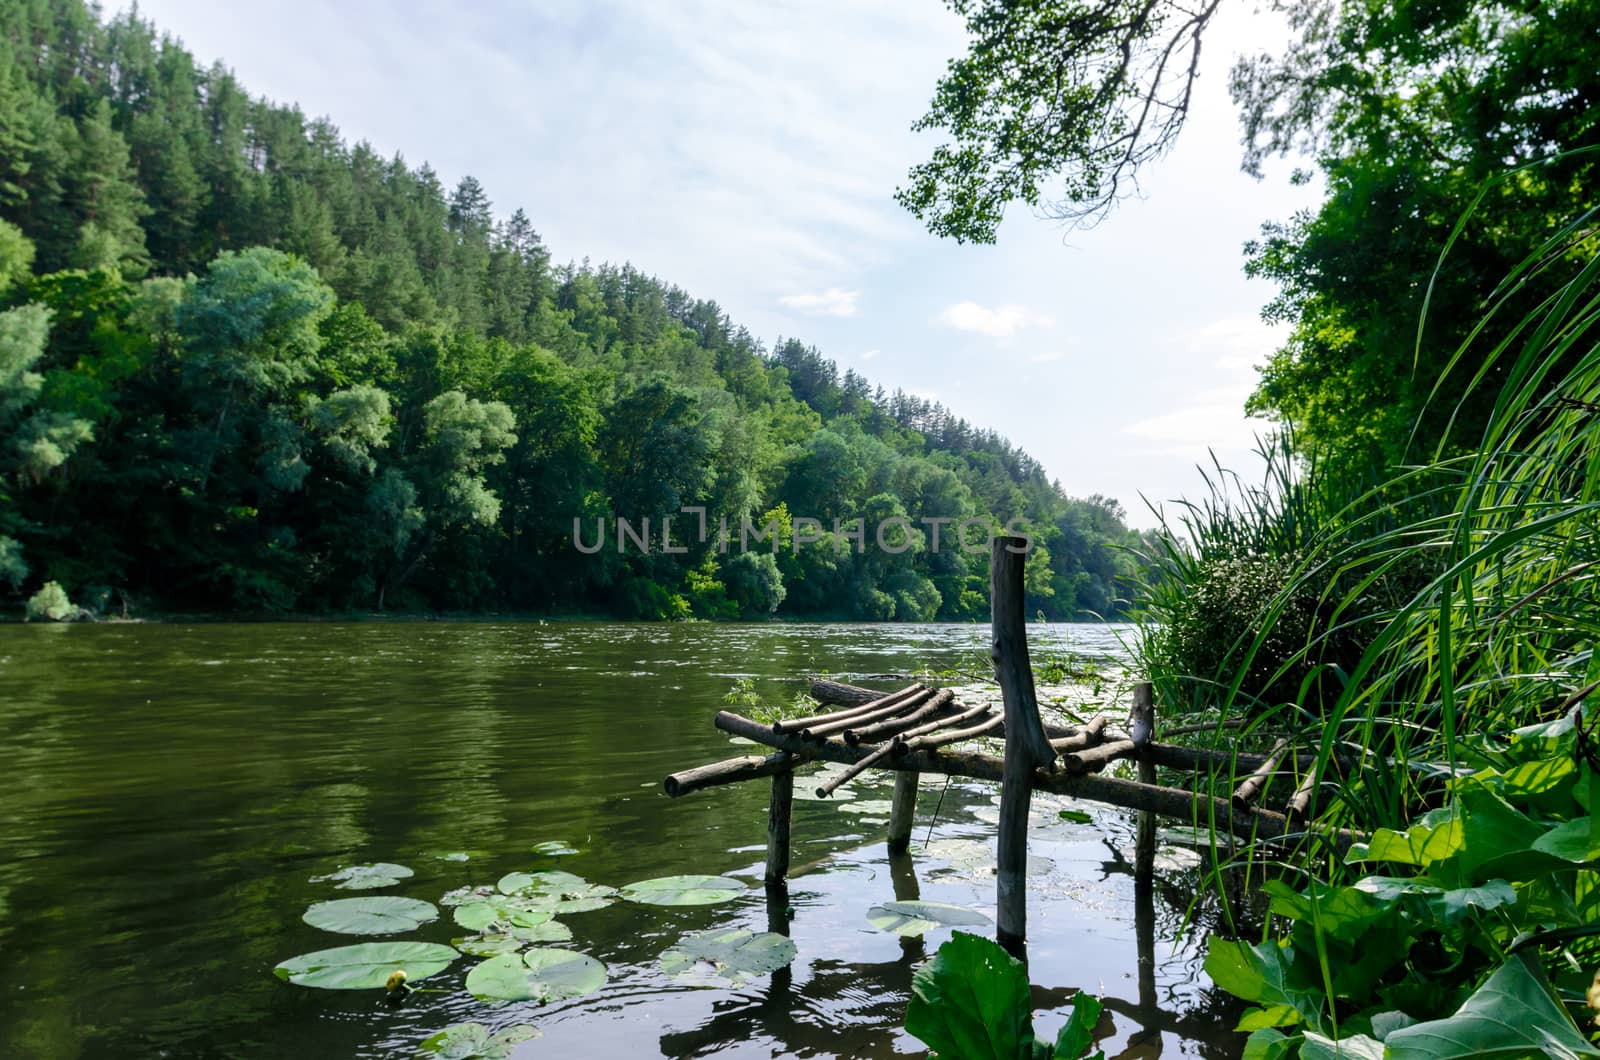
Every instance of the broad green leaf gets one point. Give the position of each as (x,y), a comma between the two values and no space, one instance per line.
(1077,1036)
(732,953)
(366,877)
(1447,905)
(1436,837)
(1269,1044)
(684,890)
(510,940)
(1354,1047)
(554,848)
(1570,841)
(1255,1019)
(917,918)
(558,892)
(1267,973)
(379,915)
(1075,816)
(1386,1023)
(972,1002)
(474,1041)
(502,909)
(538,975)
(365,966)
(1513,1014)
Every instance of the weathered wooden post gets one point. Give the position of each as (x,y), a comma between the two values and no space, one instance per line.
(903,812)
(779,812)
(1027,748)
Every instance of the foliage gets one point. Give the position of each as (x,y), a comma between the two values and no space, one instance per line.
(684,890)
(382,915)
(973,1001)
(1440,959)
(735,954)
(538,975)
(365,877)
(247,366)
(474,1041)
(918,918)
(51,604)
(365,966)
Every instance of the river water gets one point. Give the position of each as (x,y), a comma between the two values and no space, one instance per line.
(171,791)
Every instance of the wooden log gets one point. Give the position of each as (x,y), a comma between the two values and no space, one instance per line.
(1256,782)
(1299,808)
(796,724)
(1204,810)
(883,751)
(780,813)
(903,812)
(837,693)
(889,726)
(991,723)
(731,771)
(875,714)
(939,726)
(1094,759)
(1142,718)
(1027,747)
(1088,736)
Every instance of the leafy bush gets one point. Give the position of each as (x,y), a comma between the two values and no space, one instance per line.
(973,1002)
(51,604)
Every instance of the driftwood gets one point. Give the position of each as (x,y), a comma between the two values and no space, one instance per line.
(1257,781)
(731,771)
(796,724)
(1088,736)
(1094,759)
(868,715)
(1206,811)
(899,722)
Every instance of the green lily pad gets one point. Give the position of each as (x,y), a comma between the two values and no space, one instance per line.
(379,915)
(366,877)
(555,848)
(538,975)
(732,953)
(876,807)
(474,1041)
(559,892)
(916,918)
(501,909)
(463,895)
(684,890)
(456,855)
(365,966)
(974,859)
(494,943)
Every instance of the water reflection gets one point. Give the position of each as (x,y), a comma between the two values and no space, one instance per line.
(173,789)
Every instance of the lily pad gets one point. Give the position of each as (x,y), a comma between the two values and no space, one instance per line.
(474,1041)
(974,859)
(456,855)
(875,807)
(555,848)
(916,918)
(494,943)
(366,877)
(684,890)
(463,895)
(501,909)
(365,966)
(538,975)
(559,892)
(378,915)
(732,953)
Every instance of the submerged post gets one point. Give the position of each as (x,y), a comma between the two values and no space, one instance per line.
(779,811)
(903,811)
(1027,748)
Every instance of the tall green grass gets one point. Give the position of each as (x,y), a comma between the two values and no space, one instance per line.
(1393,623)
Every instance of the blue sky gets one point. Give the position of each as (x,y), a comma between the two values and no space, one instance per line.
(748,151)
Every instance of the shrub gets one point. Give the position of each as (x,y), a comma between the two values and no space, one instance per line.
(51,604)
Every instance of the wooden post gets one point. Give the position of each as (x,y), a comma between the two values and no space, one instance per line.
(1027,748)
(1142,728)
(779,812)
(903,813)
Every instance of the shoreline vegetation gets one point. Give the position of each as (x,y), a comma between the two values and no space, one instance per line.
(248,366)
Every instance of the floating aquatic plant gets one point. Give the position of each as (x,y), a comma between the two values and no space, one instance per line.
(377,915)
(917,918)
(366,877)
(366,966)
(559,892)
(538,975)
(684,890)
(474,1041)
(736,954)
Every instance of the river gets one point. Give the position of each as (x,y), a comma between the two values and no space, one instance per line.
(172,790)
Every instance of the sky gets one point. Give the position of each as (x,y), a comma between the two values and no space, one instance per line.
(749,151)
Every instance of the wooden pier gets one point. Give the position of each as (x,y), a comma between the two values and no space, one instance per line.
(916,730)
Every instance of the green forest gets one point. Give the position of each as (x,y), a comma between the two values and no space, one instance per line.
(246,367)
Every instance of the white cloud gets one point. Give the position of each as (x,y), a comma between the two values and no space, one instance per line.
(1213,419)
(1000,322)
(834,302)
(870,354)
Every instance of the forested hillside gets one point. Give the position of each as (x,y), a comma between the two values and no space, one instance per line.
(245,366)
